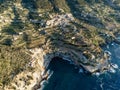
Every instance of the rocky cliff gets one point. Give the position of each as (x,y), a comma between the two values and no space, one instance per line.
(33,32)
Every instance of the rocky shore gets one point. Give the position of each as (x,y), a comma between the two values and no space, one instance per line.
(40,61)
(42,30)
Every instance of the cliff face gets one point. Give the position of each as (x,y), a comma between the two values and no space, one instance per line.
(32,32)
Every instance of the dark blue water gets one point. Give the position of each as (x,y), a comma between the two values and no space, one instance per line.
(67,77)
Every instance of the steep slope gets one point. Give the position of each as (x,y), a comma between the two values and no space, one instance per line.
(40,30)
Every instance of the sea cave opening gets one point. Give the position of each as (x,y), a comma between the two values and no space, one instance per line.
(66,76)
(58,63)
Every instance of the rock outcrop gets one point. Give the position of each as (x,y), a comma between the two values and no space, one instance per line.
(74,30)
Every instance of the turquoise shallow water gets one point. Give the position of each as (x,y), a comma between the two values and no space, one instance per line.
(67,77)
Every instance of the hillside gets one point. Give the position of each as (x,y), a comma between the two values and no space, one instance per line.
(32,32)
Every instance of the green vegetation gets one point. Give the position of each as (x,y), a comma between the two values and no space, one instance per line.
(12,62)
(95,24)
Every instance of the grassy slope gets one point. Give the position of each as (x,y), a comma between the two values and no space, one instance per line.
(92,30)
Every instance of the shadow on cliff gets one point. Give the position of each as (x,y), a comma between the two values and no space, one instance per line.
(33,15)
(16,25)
(77,11)
(55,8)
(112,4)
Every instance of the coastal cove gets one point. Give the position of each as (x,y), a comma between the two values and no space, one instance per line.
(59,44)
(65,76)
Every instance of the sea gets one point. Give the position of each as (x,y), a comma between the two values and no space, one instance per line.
(66,76)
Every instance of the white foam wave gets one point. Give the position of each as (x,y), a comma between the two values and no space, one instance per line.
(97,74)
(112,70)
(108,52)
(50,74)
(43,82)
(115,66)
